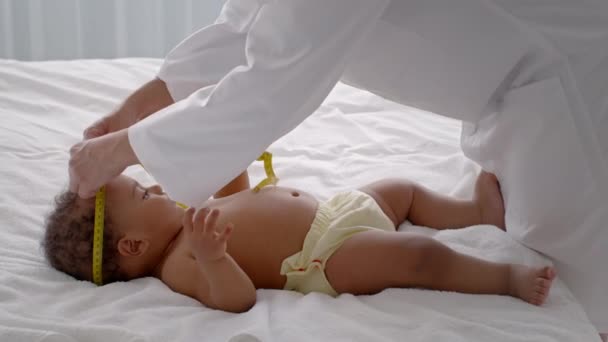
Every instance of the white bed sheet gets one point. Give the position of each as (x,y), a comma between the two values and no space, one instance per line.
(354,138)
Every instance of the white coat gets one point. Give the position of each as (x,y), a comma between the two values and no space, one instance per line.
(266,65)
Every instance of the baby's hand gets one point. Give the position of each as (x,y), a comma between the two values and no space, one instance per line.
(207,243)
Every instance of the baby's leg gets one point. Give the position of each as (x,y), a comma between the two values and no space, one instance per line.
(372,261)
(401,200)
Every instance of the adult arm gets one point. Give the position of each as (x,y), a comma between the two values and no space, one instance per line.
(197,63)
(295,52)
(146,100)
(240,183)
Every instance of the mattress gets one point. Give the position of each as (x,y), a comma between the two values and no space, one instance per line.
(354,138)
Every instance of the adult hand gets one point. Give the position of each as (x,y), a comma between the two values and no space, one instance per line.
(96,161)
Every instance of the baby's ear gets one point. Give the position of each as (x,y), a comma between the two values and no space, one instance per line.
(131,247)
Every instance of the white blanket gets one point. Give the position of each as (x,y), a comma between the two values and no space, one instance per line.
(354,138)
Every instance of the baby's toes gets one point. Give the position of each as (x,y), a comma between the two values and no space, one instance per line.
(548,273)
(539,289)
(543,283)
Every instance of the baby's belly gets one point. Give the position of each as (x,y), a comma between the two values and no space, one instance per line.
(269,226)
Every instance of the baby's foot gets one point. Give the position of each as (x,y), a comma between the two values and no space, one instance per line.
(489,199)
(531,284)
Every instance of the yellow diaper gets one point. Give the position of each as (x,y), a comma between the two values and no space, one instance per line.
(336,220)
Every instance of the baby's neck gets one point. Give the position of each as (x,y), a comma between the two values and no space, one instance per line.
(158,267)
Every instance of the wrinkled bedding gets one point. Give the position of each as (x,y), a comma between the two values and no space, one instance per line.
(353,138)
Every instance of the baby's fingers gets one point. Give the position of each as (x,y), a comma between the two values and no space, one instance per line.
(225,235)
(187,220)
(211,221)
(200,220)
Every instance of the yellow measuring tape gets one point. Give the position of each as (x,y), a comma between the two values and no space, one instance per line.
(100,204)
(271,178)
(181,205)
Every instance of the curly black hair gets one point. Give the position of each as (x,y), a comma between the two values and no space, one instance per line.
(68,240)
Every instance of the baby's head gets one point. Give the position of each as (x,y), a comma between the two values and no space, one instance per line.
(140,224)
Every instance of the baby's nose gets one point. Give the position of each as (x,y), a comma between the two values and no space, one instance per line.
(156,189)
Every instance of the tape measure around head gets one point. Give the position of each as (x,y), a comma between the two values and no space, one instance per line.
(100,204)
(271,178)
(181,205)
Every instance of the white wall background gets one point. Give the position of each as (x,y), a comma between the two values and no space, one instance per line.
(68,29)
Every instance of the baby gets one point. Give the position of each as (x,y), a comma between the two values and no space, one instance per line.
(282,238)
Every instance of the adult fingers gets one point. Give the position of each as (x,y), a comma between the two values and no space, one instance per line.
(86,191)
(73,173)
(97,129)
(95,162)
(81,180)
(73,187)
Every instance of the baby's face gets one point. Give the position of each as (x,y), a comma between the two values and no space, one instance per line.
(147,213)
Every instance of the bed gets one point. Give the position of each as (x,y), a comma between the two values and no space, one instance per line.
(353,138)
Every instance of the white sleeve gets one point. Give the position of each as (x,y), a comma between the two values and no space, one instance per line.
(207,55)
(295,52)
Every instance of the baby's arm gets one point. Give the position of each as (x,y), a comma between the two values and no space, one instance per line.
(227,286)
(240,183)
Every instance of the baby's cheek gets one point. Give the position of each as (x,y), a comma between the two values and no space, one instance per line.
(172,214)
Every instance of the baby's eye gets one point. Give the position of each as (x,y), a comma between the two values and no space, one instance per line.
(146,194)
